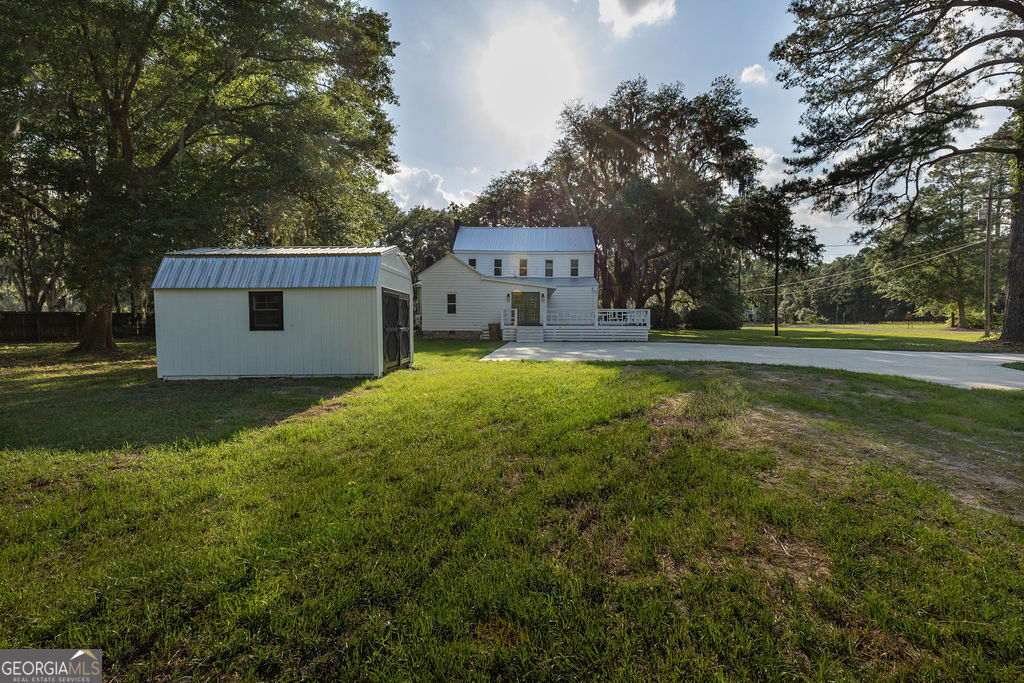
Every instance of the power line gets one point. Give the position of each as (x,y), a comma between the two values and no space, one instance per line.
(863,279)
(851,270)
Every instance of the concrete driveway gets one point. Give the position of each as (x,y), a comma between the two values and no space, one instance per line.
(969,370)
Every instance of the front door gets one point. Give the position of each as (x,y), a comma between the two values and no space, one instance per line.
(527,305)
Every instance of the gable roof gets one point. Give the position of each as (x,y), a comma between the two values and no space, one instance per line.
(524,239)
(270,267)
(549,283)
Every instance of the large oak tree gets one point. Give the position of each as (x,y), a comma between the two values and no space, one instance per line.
(891,86)
(137,126)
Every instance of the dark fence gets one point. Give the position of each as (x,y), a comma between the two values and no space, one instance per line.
(16,326)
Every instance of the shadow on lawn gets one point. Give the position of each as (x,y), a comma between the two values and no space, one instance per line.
(52,400)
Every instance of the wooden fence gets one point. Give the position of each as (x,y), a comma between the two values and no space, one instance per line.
(16,326)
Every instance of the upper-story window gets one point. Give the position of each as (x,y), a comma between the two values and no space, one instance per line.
(497,266)
(549,268)
(472,263)
(574,267)
(451,304)
(522,267)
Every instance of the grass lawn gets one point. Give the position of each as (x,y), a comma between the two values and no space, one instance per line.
(1015,366)
(526,520)
(889,337)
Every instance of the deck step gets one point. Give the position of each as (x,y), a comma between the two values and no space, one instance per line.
(529,333)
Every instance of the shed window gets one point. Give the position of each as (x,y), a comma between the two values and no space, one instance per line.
(266,311)
(472,263)
(451,304)
(497,266)
(574,267)
(522,267)
(549,268)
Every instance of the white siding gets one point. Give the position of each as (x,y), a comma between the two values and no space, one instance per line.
(573,299)
(204,333)
(534,262)
(478,302)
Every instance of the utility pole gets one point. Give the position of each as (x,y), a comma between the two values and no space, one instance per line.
(988,258)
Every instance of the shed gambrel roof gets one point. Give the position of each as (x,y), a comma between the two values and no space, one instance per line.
(270,267)
(524,239)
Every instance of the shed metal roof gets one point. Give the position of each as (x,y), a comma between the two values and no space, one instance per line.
(270,267)
(281,251)
(524,239)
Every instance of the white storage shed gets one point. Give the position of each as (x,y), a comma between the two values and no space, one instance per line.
(227,313)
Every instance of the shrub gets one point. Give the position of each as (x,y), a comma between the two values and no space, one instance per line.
(660,320)
(710,317)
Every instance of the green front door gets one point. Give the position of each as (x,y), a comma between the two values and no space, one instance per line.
(527,305)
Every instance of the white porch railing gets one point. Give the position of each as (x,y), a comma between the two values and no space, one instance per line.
(624,317)
(601,317)
(509,317)
(572,318)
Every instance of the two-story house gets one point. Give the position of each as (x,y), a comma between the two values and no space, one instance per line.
(537,283)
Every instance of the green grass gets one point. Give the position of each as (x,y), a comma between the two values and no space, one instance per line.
(1015,366)
(894,337)
(523,520)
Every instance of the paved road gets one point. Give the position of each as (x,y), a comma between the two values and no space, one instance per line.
(971,370)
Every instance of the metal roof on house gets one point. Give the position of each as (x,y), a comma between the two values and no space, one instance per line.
(524,239)
(557,281)
(270,267)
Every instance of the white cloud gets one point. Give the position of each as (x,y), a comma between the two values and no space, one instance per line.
(411,187)
(774,170)
(625,15)
(523,76)
(755,73)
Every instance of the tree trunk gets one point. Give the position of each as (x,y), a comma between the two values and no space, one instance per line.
(961,313)
(1013,319)
(97,328)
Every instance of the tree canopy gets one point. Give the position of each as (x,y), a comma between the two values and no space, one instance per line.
(137,126)
(890,87)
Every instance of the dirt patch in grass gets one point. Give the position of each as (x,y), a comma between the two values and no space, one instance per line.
(499,633)
(822,450)
(806,562)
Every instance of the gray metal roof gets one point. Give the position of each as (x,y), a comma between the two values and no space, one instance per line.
(270,267)
(557,281)
(524,239)
(281,251)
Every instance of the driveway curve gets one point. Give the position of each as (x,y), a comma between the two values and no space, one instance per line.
(967,370)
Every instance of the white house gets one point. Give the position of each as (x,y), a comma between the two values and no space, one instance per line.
(537,283)
(282,311)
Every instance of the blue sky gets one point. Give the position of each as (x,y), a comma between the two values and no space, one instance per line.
(481,83)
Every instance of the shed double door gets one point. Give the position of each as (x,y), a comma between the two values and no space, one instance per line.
(397,346)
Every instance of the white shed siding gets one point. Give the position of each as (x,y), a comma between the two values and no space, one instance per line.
(534,262)
(478,302)
(204,333)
